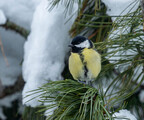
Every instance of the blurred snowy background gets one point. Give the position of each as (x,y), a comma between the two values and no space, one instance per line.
(19,12)
(27,62)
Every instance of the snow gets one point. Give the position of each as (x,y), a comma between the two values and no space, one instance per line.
(138,76)
(2,17)
(118,7)
(50,111)
(19,11)
(46,48)
(123,115)
(141,96)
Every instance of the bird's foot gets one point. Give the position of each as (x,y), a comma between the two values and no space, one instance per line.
(83,82)
(86,82)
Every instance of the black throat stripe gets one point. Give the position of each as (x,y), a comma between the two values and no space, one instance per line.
(84,63)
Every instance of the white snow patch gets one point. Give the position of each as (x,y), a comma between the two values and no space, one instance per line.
(50,111)
(46,48)
(19,11)
(119,7)
(123,115)
(2,17)
(138,74)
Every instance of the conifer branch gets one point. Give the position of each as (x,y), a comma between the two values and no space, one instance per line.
(12,26)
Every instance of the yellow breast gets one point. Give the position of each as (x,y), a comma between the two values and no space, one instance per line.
(92,62)
(75,66)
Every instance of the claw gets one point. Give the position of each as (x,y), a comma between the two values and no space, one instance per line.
(83,82)
(86,82)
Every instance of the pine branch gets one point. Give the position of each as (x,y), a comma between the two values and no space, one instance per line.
(12,26)
(31,113)
(72,101)
(92,21)
(68,4)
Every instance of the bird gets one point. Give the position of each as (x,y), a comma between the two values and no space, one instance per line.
(84,60)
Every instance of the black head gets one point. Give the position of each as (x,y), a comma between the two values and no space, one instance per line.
(79,43)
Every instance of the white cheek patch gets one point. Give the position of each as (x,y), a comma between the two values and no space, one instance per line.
(84,44)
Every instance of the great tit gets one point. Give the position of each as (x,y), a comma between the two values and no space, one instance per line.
(84,61)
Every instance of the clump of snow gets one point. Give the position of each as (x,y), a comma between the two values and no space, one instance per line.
(119,7)
(141,96)
(50,111)
(2,17)
(124,115)
(46,48)
(19,11)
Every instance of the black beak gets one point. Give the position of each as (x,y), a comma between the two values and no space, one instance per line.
(70,45)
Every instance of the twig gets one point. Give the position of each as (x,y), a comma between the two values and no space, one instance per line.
(12,26)
(3,53)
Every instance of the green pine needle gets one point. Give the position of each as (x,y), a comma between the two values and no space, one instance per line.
(73,100)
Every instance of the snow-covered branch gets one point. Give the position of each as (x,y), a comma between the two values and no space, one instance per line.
(12,26)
